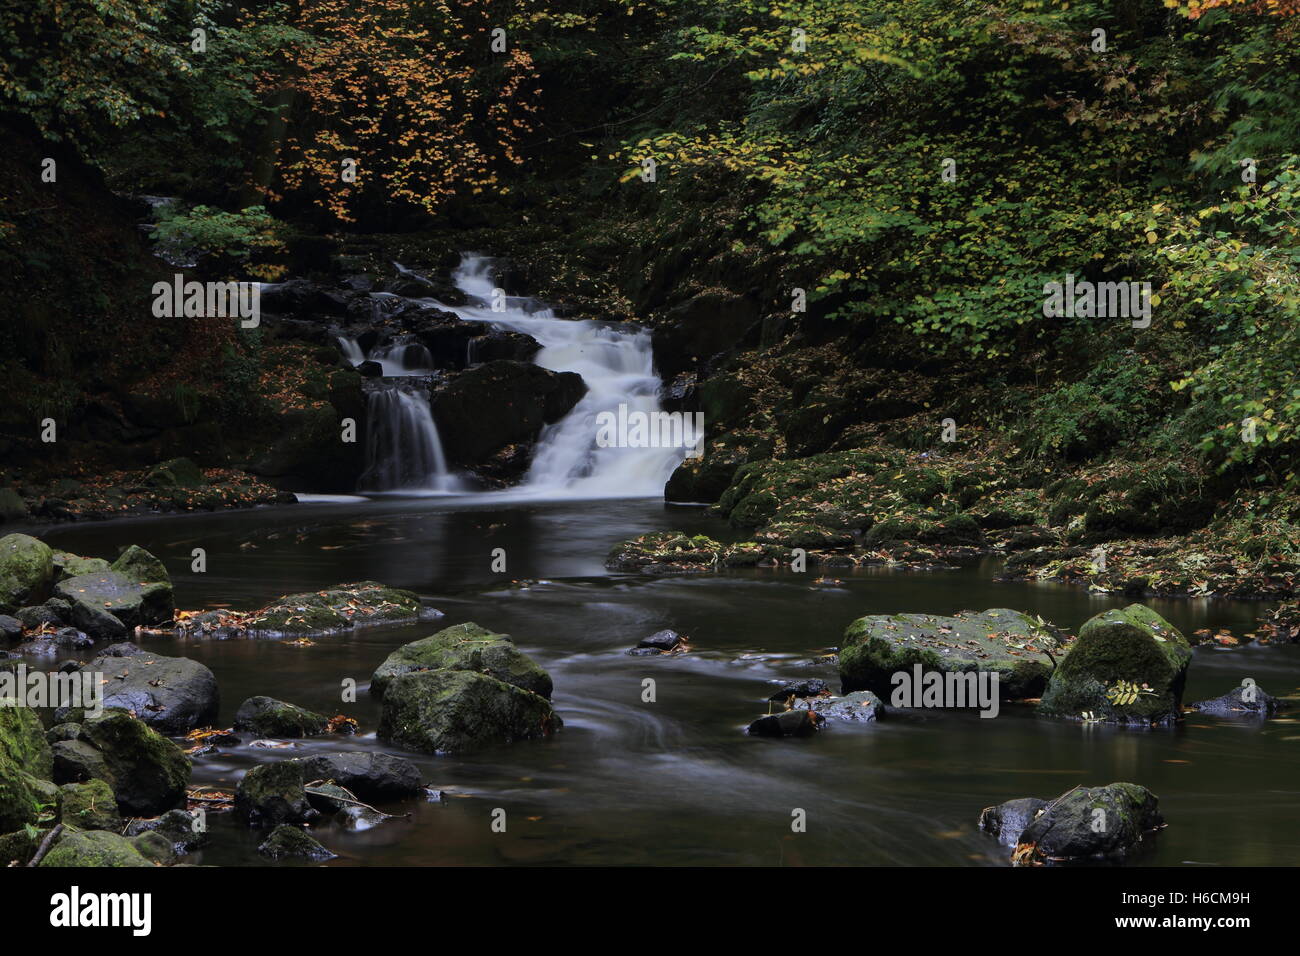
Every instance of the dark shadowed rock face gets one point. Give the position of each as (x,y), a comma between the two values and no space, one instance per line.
(171,694)
(148,773)
(288,842)
(268,717)
(273,793)
(371,776)
(1008,820)
(501,403)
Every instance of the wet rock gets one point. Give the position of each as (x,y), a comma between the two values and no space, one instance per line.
(1248,700)
(660,642)
(787,723)
(173,695)
(370,369)
(55,612)
(155,848)
(178,827)
(1089,822)
(1008,820)
(147,772)
(11,629)
(97,623)
(1128,665)
(1013,645)
(271,794)
(339,608)
(268,717)
(465,647)
(26,571)
(20,846)
(812,687)
(501,403)
(371,776)
(89,806)
(859,705)
(137,590)
(287,842)
(97,848)
(457,711)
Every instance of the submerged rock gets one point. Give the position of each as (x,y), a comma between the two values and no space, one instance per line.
(457,711)
(787,723)
(660,642)
(1126,666)
(287,842)
(26,571)
(268,717)
(171,694)
(1086,822)
(338,608)
(859,705)
(1016,647)
(465,647)
(1248,700)
(812,687)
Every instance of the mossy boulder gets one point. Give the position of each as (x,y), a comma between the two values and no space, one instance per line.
(136,589)
(1089,822)
(1128,665)
(176,473)
(18,847)
(147,772)
(274,793)
(268,717)
(94,848)
(26,571)
(155,848)
(71,565)
(25,762)
(459,711)
(337,608)
(466,647)
(179,827)
(89,806)
(1013,645)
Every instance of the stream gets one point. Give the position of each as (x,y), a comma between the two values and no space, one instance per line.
(678,781)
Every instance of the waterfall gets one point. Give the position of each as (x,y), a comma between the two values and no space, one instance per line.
(618,367)
(403,451)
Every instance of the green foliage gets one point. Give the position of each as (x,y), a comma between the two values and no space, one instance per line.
(204,231)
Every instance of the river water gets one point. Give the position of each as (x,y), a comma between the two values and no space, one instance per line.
(677,781)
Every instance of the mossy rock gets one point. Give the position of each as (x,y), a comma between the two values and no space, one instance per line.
(26,571)
(25,761)
(456,711)
(97,848)
(1090,822)
(1009,643)
(131,599)
(268,717)
(148,773)
(176,473)
(154,847)
(338,608)
(288,842)
(20,846)
(465,647)
(71,565)
(273,793)
(1128,665)
(89,806)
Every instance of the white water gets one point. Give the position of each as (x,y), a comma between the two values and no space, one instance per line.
(403,448)
(617,366)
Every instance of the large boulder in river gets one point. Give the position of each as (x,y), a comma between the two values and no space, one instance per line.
(171,694)
(137,590)
(97,848)
(465,647)
(268,717)
(274,793)
(1128,665)
(458,711)
(147,772)
(1008,643)
(26,571)
(500,403)
(1083,823)
(25,761)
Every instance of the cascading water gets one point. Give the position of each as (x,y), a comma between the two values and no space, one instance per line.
(618,367)
(403,450)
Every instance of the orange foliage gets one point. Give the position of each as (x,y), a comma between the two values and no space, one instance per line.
(411,91)
(1280,8)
